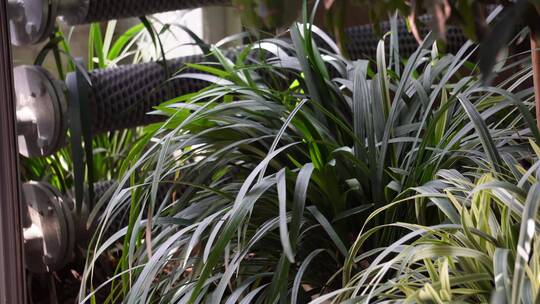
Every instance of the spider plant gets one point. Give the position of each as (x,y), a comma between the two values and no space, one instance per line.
(272,171)
(487,252)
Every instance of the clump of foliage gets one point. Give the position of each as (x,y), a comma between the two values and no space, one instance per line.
(272,172)
(109,151)
(488,251)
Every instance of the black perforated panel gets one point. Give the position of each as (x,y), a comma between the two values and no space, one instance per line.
(362,41)
(121,97)
(100,188)
(102,10)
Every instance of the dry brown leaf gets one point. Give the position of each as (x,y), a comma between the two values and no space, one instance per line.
(441,11)
(412,22)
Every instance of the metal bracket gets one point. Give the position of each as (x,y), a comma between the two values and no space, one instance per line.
(41,111)
(31,21)
(52,226)
(49,236)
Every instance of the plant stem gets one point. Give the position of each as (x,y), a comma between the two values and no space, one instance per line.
(535,49)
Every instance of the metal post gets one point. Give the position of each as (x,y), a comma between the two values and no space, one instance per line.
(12,281)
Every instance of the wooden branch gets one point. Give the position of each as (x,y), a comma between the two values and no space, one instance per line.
(535,56)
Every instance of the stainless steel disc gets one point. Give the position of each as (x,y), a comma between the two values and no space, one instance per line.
(49,237)
(31,21)
(41,111)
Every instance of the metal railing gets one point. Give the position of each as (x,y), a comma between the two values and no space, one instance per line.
(12,283)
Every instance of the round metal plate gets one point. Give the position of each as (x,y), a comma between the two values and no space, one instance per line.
(49,239)
(41,111)
(70,222)
(82,232)
(31,21)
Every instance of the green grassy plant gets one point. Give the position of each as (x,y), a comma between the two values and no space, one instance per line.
(274,170)
(488,253)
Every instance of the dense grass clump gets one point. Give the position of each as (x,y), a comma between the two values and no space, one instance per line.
(303,176)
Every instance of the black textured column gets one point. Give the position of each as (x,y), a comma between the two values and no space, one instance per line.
(362,40)
(102,10)
(121,97)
